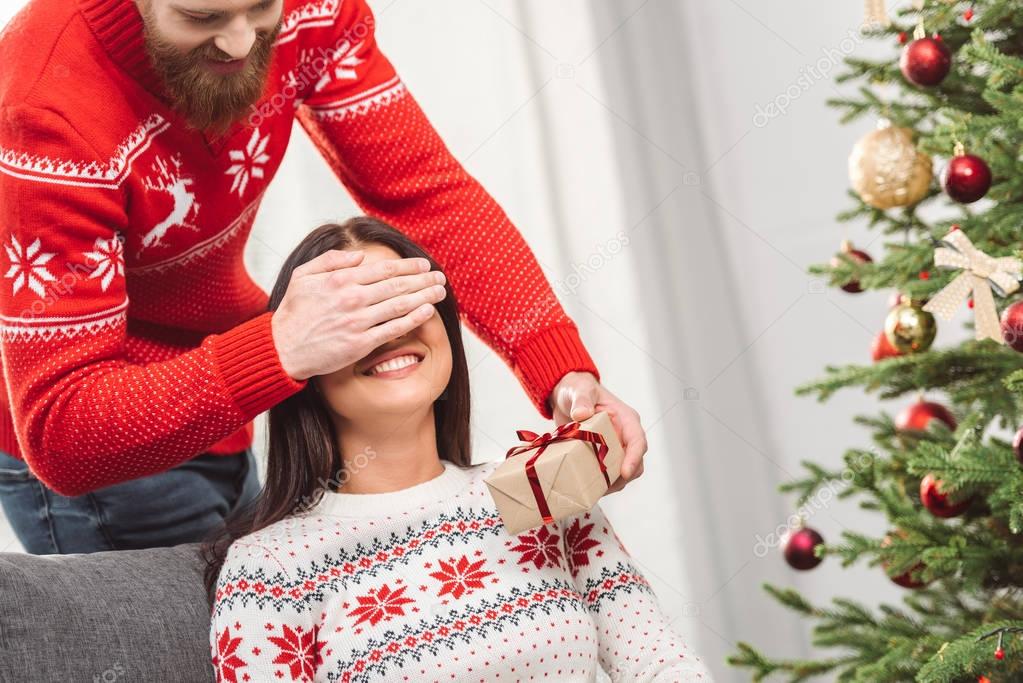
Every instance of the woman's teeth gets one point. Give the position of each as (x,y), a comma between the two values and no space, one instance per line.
(393,364)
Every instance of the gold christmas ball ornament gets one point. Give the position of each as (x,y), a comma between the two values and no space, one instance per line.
(909,328)
(887,170)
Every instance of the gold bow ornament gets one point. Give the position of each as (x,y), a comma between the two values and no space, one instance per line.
(981,273)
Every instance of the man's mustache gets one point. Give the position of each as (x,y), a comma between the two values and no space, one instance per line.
(213,53)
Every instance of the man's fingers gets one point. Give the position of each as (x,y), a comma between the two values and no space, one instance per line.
(392,329)
(634,439)
(330,260)
(344,264)
(632,465)
(639,471)
(625,478)
(576,404)
(388,268)
(401,305)
(621,481)
(582,407)
(576,400)
(402,284)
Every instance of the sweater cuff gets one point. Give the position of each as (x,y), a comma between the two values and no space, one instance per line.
(247,360)
(545,358)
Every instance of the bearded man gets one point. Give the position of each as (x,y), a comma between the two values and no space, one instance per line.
(137,139)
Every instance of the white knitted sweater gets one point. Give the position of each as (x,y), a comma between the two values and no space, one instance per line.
(426,584)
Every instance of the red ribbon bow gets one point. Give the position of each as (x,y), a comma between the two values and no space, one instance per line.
(566,432)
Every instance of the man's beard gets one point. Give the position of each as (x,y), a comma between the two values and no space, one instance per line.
(209,101)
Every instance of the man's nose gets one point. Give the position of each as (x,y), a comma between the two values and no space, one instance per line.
(236,39)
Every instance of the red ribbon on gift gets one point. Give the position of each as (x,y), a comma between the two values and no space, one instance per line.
(566,432)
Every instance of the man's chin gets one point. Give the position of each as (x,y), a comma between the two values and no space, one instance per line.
(212,95)
(216,102)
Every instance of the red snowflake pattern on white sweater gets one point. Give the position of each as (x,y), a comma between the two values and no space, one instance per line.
(426,584)
(460,577)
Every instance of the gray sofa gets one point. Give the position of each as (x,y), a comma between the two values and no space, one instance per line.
(111,617)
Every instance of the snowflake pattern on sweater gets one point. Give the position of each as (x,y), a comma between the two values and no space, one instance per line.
(426,584)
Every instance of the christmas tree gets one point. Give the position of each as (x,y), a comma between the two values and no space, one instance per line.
(946,472)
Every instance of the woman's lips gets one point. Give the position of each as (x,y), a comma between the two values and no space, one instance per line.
(397,374)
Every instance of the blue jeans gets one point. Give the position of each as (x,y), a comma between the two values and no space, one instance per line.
(181,505)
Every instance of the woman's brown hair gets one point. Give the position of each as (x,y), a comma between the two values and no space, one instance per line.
(303,456)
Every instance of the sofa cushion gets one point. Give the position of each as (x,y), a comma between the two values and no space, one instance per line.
(132,615)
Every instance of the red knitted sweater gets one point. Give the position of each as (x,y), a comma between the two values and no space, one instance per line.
(132,336)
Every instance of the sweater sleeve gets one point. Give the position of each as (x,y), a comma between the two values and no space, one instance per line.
(85,417)
(254,634)
(636,641)
(362,118)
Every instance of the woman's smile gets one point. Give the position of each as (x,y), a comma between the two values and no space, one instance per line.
(395,368)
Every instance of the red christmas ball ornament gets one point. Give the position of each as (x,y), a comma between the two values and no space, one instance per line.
(999,654)
(1012,325)
(936,502)
(917,416)
(907,578)
(852,286)
(966,178)
(926,61)
(882,348)
(799,548)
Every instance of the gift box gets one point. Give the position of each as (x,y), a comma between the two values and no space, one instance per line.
(556,474)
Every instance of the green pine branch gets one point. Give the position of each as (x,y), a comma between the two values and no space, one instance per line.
(968,569)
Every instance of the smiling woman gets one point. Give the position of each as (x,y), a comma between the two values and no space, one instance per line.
(374,552)
(381,401)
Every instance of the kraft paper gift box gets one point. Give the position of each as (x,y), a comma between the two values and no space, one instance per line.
(556,474)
